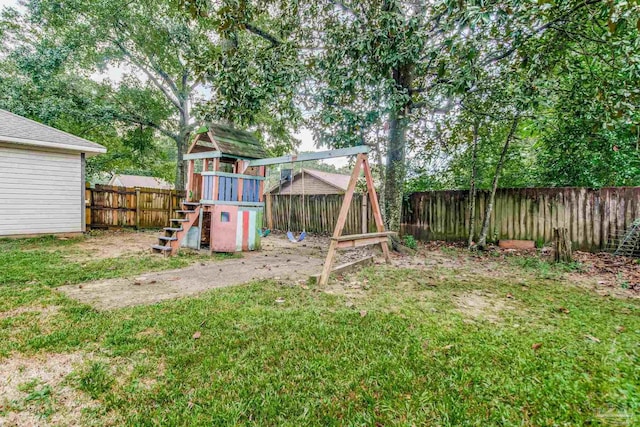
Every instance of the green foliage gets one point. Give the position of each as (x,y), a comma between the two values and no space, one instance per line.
(407,78)
(572,84)
(410,241)
(178,68)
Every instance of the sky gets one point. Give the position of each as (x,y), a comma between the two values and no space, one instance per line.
(115,74)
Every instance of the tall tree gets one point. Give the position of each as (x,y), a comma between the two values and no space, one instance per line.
(375,61)
(35,83)
(174,61)
(482,240)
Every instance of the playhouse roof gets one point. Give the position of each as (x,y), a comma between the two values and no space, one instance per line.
(229,141)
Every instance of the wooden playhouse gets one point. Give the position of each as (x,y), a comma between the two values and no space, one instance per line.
(224,206)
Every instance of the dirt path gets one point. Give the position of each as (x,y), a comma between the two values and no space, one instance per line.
(112,244)
(279,259)
(164,285)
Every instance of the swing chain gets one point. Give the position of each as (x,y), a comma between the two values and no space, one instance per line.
(304,218)
(290,197)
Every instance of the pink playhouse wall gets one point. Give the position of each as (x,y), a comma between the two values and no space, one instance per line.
(223,230)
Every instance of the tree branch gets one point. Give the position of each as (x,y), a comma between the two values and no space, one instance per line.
(156,127)
(165,76)
(261,33)
(133,118)
(500,56)
(344,8)
(148,73)
(121,28)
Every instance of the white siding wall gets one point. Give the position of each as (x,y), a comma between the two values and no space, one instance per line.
(40,191)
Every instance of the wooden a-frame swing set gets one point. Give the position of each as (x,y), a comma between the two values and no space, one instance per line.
(339,241)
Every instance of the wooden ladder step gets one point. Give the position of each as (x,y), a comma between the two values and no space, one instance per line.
(170,242)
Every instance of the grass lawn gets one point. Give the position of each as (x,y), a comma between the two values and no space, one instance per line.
(448,344)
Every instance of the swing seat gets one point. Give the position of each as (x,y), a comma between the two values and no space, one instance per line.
(293,239)
(264,232)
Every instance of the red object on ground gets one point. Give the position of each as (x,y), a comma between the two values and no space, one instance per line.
(517,244)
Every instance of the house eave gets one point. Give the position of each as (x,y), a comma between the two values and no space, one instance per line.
(89,151)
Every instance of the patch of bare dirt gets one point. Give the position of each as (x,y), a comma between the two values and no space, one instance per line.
(44,313)
(350,289)
(316,246)
(279,259)
(33,391)
(608,274)
(479,305)
(160,286)
(112,244)
(604,273)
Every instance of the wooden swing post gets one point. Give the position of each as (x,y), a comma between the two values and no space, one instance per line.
(355,240)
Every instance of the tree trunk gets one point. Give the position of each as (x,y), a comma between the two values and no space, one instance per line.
(395,171)
(181,165)
(182,144)
(381,176)
(396,153)
(472,186)
(562,245)
(482,240)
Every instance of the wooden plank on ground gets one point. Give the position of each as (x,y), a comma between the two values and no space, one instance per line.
(344,268)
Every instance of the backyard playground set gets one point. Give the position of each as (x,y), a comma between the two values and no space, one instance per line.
(225,197)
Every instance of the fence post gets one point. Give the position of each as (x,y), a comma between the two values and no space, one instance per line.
(170,207)
(269,216)
(88,204)
(365,211)
(137,208)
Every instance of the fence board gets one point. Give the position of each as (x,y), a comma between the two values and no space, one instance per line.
(592,217)
(320,213)
(120,207)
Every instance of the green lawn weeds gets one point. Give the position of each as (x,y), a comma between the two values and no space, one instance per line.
(387,346)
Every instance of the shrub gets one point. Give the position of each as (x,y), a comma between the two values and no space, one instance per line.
(410,241)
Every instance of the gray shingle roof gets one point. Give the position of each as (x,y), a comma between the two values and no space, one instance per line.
(337,180)
(140,181)
(18,129)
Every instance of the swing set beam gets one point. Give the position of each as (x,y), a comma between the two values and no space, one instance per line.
(303,157)
(338,241)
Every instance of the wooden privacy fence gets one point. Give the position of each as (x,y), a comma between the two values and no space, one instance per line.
(320,213)
(117,207)
(593,217)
